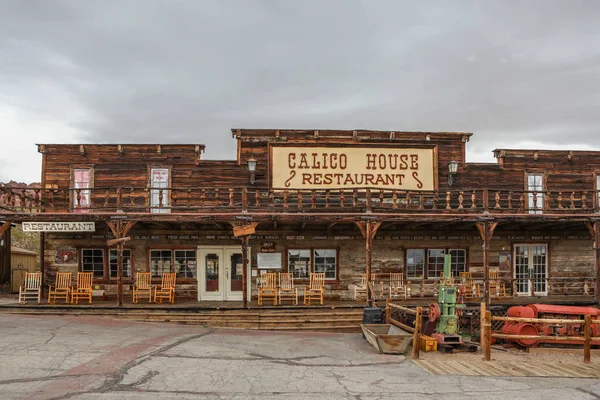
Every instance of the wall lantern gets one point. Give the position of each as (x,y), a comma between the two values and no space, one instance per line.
(452,168)
(252,169)
(1,242)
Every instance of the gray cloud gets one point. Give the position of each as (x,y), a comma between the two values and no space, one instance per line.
(187,71)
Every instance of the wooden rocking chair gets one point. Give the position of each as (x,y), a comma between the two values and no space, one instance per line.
(316,288)
(287,290)
(268,288)
(360,290)
(166,289)
(472,290)
(497,287)
(83,290)
(398,289)
(61,288)
(32,288)
(142,288)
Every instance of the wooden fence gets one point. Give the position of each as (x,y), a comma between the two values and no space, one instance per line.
(416,330)
(487,334)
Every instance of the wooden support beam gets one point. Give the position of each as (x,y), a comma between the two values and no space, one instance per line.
(594,228)
(486,230)
(245,242)
(119,229)
(4,227)
(369,230)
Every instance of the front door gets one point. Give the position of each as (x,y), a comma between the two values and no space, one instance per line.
(531,268)
(221,273)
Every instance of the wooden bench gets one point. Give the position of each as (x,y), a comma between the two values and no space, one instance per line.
(398,289)
(61,288)
(472,289)
(32,288)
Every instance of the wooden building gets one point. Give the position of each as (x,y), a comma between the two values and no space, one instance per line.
(344,203)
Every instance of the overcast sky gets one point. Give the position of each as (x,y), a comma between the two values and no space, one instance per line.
(516,73)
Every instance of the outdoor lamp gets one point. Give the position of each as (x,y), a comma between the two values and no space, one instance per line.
(452,168)
(252,169)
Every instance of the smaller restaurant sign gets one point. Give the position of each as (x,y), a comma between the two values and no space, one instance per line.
(59,226)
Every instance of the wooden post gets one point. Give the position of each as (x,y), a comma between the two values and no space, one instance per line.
(596,226)
(369,243)
(416,334)
(42,263)
(245,239)
(120,274)
(482,325)
(588,340)
(486,230)
(486,261)
(388,311)
(487,351)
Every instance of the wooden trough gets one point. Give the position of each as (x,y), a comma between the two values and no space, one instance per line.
(387,338)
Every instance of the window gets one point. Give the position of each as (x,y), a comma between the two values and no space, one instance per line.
(325,261)
(182,262)
(159,193)
(458,262)
(301,262)
(185,263)
(160,262)
(598,189)
(535,189)
(435,263)
(415,264)
(92,260)
(417,259)
(112,256)
(81,183)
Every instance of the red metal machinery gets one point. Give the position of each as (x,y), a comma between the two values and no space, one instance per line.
(549,311)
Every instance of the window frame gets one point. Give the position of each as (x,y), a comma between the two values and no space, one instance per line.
(72,193)
(425,249)
(597,189)
(172,249)
(157,210)
(541,197)
(311,250)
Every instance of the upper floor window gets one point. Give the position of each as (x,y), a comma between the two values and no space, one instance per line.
(535,193)
(82,182)
(598,189)
(159,193)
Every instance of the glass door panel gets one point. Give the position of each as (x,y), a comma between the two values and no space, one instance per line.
(211,272)
(539,270)
(235,273)
(522,269)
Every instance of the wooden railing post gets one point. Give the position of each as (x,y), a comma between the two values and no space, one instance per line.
(487,351)
(244,200)
(486,205)
(388,311)
(368,196)
(482,311)
(588,340)
(417,334)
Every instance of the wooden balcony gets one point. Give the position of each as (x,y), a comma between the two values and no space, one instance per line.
(212,201)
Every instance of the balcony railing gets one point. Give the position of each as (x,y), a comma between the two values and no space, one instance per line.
(214,200)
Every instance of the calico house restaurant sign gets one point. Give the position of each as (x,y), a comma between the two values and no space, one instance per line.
(59,226)
(328,167)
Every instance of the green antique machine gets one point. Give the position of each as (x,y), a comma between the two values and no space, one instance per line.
(443,313)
